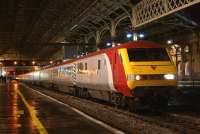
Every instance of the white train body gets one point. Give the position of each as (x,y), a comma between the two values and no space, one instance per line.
(135,69)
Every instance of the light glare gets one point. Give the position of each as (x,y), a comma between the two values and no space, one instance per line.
(129,35)
(108,44)
(169,42)
(137,77)
(141,35)
(3,73)
(15,62)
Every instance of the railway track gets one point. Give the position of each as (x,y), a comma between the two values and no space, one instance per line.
(167,123)
(187,123)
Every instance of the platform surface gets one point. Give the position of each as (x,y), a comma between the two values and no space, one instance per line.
(23,111)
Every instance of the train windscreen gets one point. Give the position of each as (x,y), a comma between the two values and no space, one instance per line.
(147,54)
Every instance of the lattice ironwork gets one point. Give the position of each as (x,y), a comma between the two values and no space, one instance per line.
(150,10)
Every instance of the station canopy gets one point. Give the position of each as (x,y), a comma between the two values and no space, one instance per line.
(37,28)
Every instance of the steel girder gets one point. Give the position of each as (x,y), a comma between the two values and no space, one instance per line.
(145,11)
(96,18)
(150,10)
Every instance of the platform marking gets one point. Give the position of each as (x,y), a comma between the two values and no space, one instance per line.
(33,115)
(110,128)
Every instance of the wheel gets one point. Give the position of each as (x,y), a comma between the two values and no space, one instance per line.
(133,104)
(158,103)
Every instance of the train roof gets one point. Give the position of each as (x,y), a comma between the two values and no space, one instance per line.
(131,44)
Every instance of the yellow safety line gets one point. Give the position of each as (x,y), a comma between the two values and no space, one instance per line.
(32,113)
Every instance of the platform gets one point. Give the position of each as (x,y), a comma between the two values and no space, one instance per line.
(23,111)
(189,84)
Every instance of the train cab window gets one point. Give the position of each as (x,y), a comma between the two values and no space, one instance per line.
(99,64)
(148,54)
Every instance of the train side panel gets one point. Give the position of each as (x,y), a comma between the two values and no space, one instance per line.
(63,75)
(95,73)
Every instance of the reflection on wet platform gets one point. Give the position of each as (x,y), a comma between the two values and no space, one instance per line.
(14,117)
(23,111)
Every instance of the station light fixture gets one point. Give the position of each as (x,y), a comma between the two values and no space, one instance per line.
(141,35)
(33,62)
(169,41)
(15,62)
(3,73)
(51,62)
(129,35)
(108,44)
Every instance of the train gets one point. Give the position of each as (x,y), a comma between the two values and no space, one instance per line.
(133,74)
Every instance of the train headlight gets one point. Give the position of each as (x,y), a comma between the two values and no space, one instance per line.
(169,76)
(138,77)
(134,77)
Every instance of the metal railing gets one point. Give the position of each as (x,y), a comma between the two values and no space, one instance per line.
(149,10)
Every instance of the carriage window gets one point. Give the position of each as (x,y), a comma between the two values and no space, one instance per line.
(80,67)
(99,64)
(148,54)
(68,70)
(85,66)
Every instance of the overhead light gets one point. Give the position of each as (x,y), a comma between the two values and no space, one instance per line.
(15,62)
(108,44)
(51,62)
(3,73)
(129,35)
(33,62)
(141,35)
(169,41)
